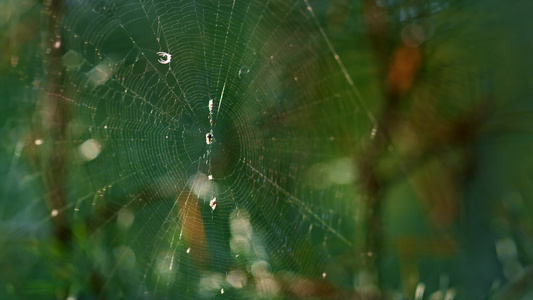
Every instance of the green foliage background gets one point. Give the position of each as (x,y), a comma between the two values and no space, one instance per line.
(442,198)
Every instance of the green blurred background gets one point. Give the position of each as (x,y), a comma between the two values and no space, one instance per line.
(363,150)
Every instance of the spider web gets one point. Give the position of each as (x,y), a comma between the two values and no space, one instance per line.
(210,146)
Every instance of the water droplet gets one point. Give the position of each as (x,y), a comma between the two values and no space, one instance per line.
(188,250)
(54,213)
(38,142)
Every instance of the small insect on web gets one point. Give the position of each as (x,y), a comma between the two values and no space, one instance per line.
(213,203)
(209,138)
(165,58)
